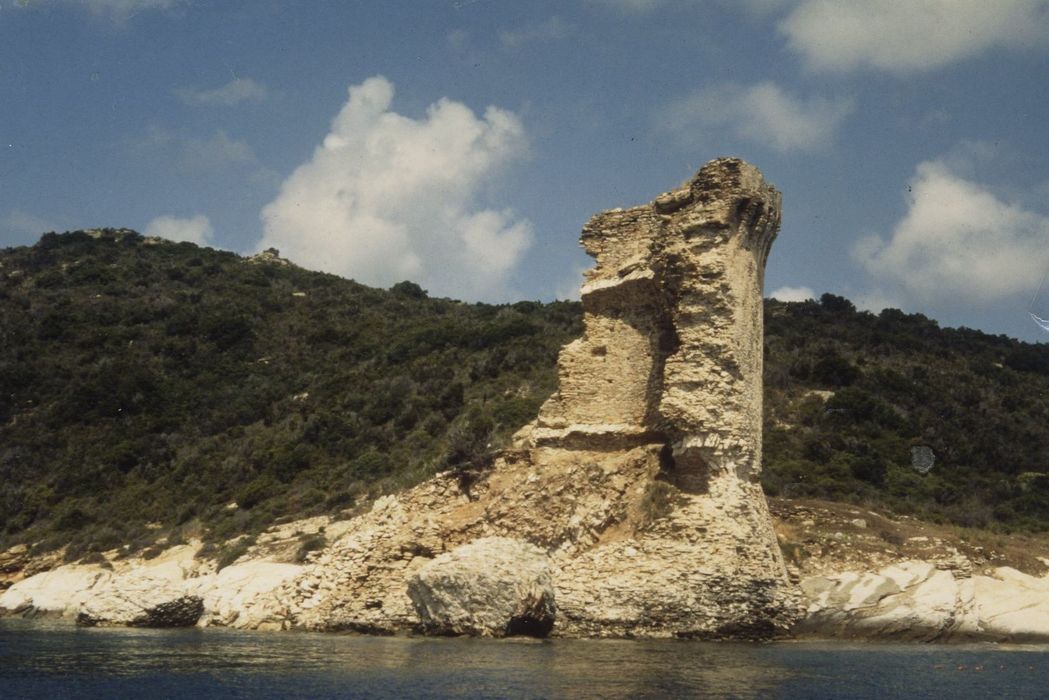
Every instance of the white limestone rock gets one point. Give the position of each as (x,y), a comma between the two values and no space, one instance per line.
(241,595)
(138,599)
(56,592)
(493,587)
(914,600)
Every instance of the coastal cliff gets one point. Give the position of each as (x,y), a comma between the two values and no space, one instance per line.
(862,575)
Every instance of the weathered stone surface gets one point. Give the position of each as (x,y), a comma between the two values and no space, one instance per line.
(914,600)
(58,591)
(672,350)
(493,587)
(173,589)
(671,361)
(14,559)
(184,611)
(240,595)
(135,599)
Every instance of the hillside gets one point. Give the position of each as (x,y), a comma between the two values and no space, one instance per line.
(147,386)
(149,382)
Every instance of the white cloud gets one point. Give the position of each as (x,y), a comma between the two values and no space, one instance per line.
(793,294)
(386,197)
(232,93)
(570,287)
(196,229)
(763,113)
(959,243)
(216,152)
(907,36)
(551,30)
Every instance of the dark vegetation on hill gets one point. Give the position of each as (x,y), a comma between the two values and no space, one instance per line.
(146,385)
(899,381)
(148,382)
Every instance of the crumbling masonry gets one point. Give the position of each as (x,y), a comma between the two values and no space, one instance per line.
(634,496)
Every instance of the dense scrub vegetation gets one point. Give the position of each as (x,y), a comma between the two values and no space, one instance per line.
(850,394)
(145,386)
(148,385)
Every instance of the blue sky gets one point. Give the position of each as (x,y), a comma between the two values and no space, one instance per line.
(463,143)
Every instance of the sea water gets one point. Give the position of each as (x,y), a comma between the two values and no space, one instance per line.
(59,661)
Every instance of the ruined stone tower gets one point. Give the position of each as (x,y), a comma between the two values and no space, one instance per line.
(634,495)
(672,350)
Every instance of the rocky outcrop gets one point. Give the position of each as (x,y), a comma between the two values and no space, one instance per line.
(184,611)
(670,367)
(132,600)
(492,587)
(241,595)
(55,592)
(172,590)
(916,601)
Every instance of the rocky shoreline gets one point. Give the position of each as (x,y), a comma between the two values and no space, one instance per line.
(959,593)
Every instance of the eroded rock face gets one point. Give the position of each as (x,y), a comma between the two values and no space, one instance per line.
(492,587)
(671,362)
(172,590)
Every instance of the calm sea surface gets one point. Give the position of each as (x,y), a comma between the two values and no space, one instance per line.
(59,661)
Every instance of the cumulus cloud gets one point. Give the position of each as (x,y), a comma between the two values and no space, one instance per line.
(386,197)
(196,229)
(232,93)
(793,294)
(763,113)
(959,242)
(910,35)
(551,30)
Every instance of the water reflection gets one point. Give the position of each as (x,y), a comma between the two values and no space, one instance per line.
(62,661)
